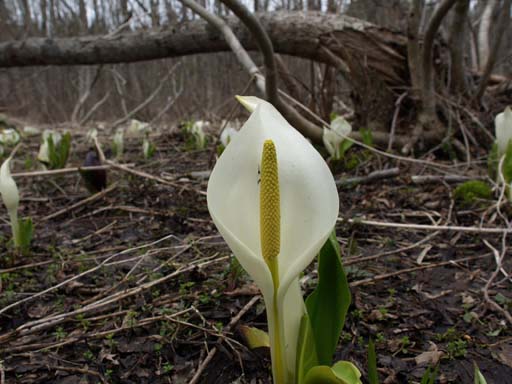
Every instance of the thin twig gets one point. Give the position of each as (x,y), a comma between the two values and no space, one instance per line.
(370,178)
(55,172)
(385,276)
(213,351)
(411,226)
(85,201)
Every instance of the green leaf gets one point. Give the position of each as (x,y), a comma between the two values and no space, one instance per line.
(507,164)
(52,153)
(367,137)
(429,377)
(254,337)
(306,349)
(328,304)
(321,374)
(493,161)
(64,147)
(343,372)
(25,233)
(479,378)
(373,376)
(58,154)
(344,147)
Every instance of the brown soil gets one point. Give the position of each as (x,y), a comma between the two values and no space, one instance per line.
(142,287)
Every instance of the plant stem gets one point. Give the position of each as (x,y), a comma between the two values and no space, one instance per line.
(278,363)
(13,216)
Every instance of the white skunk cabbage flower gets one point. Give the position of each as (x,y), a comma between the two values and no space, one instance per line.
(91,135)
(197,130)
(227,135)
(9,137)
(503,125)
(10,196)
(138,128)
(333,137)
(118,142)
(275,225)
(43,155)
(31,131)
(146,147)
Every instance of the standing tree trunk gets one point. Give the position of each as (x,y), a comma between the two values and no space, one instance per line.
(484,32)
(458,47)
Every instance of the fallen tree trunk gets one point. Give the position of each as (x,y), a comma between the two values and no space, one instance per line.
(373,59)
(312,36)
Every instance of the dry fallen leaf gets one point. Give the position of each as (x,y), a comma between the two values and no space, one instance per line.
(430,357)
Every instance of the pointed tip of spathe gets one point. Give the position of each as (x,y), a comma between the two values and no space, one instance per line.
(5,168)
(249,102)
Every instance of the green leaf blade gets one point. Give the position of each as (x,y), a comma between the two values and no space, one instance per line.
(306,350)
(373,377)
(328,304)
(343,372)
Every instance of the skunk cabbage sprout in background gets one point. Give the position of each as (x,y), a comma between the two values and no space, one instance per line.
(44,151)
(118,143)
(10,197)
(503,125)
(501,153)
(9,137)
(275,223)
(91,135)
(31,131)
(334,137)
(138,128)
(148,149)
(227,135)
(22,230)
(197,131)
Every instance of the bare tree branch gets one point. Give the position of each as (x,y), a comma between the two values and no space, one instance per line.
(304,126)
(83,98)
(264,45)
(148,100)
(233,42)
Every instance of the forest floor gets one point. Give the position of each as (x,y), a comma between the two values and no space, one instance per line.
(136,286)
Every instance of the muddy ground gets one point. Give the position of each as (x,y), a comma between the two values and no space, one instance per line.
(136,286)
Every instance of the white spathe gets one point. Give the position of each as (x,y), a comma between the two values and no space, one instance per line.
(197,130)
(138,128)
(31,131)
(10,195)
(43,155)
(309,208)
(118,141)
(9,137)
(503,125)
(227,135)
(91,135)
(340,129)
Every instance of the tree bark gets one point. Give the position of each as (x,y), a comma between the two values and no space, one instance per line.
(457,46)
(413,46)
